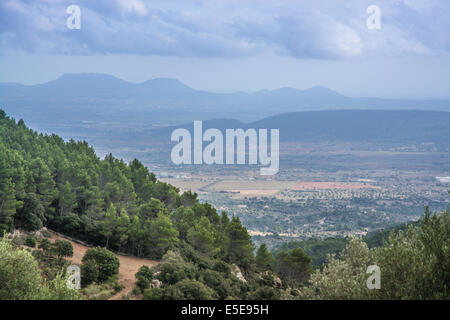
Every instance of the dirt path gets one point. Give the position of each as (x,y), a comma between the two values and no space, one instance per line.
(128,265)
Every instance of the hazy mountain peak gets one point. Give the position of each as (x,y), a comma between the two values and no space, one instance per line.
(293,93)
(103,91)
(322,90)
(81,77)
(165,81)
(165,85)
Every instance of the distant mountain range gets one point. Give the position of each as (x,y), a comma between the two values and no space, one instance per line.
(386,126)
(75,98)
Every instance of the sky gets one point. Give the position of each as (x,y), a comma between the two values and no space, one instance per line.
(235,45)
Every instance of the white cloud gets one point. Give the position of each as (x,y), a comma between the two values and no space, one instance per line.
(331,29)
(133,6)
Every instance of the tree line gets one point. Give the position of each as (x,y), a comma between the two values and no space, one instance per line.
(45,181)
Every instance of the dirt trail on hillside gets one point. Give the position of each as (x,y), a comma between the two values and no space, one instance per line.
(128,265)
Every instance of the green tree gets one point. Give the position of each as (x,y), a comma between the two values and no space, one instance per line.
(108,263)
(66,199)
(62,248)
(108,224)
(122,229)
(415,263)
(31,216)
(144,276)
(202,236)
(343,278)
(293,266)
(239,247)
(137,236)
(162,236)
(151,209)
(8,204)
(264,259)
(43,183)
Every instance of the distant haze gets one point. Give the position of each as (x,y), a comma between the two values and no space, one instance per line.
(74,98)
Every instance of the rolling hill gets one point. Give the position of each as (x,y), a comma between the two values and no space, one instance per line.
(73,98)
(345,125)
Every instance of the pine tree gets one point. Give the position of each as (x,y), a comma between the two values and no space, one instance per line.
(31,216)
(240,246)
(162,236)
(264,258)
(108,224)
(8,205)
(66,199)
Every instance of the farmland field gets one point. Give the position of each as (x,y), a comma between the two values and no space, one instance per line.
(307,185)
(324,190)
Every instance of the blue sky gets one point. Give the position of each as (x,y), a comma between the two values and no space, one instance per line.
(230,45)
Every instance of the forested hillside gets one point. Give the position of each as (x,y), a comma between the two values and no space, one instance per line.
(45,181)
(64,186)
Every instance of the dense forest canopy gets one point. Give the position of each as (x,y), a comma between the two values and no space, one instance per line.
(45,181)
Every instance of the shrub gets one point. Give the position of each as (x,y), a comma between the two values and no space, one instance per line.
(108,263)
(31,242)
(144,276)
(89,272)
(20,278)
(45,244)
(221,266)
(154,294)
(173,268)
(57,289)
(19,273)
(63,248)
(171,273)
(190,290)
(223,286)
(265,293)
(117,286)
(267,280)
(98,292)
(183,290)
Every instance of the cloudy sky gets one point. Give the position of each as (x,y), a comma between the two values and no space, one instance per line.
(229,45)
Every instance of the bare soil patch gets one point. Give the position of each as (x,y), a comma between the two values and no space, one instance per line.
(128,265)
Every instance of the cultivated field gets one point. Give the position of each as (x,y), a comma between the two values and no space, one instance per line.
(300,186)
(250,185)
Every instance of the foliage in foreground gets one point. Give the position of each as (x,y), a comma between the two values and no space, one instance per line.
(21,279)
(414,264)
